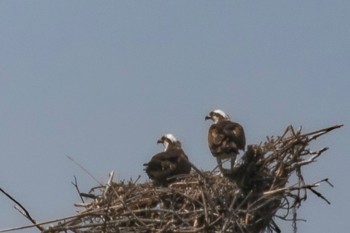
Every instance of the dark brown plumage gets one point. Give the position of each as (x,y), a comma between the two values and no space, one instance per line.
(171,162)
(225,138)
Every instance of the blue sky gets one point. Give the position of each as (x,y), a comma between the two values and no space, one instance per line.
(101,81)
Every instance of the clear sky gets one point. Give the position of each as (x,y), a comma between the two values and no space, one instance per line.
(101,81)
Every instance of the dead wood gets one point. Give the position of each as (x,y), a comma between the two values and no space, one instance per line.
(252,198)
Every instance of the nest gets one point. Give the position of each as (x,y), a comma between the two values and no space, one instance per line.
(248,199)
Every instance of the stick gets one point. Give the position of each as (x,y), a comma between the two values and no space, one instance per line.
(75,184)
(83,168)
(25,212)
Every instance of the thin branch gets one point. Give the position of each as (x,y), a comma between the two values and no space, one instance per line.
(205,201)
(109,183)
(75,184)
(24,210)
(84,169)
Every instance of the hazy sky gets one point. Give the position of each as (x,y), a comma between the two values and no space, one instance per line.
(101,81)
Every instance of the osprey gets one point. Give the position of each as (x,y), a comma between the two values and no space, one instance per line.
(171,162)
(225,138)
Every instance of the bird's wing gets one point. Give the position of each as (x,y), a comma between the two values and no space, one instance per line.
(235,132)
(216,136)
(171,156)
(162,165)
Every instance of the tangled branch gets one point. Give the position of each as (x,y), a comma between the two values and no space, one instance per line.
(249,199)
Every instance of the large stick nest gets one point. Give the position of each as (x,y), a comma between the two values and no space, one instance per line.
(248,199)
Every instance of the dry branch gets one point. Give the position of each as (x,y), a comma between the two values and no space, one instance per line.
(246,200)
(22,210)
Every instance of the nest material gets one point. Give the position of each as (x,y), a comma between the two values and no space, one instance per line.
(247,199)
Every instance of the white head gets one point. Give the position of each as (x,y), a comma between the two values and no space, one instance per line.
(171,137)
(221,113)
(168,139)
(217,115)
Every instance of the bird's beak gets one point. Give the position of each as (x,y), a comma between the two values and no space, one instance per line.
(159,141)
(208,118)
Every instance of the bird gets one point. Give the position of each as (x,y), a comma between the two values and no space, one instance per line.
(225,138)
(171,162)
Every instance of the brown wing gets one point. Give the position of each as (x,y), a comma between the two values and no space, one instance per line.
(215,139)
(166,164)
(183,165)
(226,137)
(234,132)
(215,136)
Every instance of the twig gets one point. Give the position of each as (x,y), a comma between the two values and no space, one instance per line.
(75,184)
(109,183)
(204,201)
(319,195)
(319,133)
(84,169)
(205,208)
(24,210)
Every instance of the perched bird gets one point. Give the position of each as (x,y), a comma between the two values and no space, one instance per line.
(171,162)
(225,138)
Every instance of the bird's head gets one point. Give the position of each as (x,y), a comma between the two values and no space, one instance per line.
(169,141)
(217,115)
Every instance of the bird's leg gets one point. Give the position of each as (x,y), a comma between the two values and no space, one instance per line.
(233,160)
(226,171)
(219,164)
